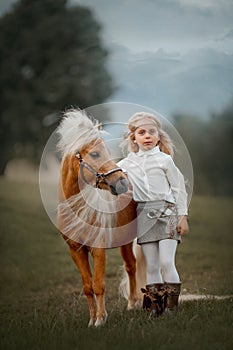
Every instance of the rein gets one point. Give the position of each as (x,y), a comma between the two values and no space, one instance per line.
(99,177)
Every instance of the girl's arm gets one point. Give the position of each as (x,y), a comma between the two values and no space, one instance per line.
(176,181)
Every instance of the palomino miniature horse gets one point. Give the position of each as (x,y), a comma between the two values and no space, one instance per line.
(95,209)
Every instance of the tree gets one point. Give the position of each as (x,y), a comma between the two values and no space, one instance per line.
(51,57)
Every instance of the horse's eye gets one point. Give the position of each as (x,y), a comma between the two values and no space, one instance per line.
(95,154)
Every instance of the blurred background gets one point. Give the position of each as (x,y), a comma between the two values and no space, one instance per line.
(173,56)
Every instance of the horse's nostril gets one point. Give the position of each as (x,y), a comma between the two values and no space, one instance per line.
(121,186)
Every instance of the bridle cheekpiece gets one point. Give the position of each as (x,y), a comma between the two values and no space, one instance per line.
(99,177)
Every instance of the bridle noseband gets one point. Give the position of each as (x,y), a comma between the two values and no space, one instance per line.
(99,177)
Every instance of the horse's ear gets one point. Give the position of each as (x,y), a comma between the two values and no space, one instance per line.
(100,126)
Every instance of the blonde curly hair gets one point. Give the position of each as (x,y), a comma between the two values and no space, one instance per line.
(165,144)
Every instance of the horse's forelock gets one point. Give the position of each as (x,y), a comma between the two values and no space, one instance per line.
(76,130)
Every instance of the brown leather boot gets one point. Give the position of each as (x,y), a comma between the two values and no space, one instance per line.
(155,298)
(173,293)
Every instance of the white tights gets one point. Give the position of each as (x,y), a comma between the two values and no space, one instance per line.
(160,261)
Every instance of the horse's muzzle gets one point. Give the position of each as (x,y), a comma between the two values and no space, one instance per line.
(121,186)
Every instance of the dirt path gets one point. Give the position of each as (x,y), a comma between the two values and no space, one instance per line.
(187,297)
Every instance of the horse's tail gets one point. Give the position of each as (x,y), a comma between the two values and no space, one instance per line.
(140,274)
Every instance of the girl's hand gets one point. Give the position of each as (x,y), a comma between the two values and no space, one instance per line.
(182,227)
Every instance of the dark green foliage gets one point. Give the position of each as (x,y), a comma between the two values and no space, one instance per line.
(51,57)
(210,143)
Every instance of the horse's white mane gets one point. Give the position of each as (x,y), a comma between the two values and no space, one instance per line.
(76,130)
(90,218)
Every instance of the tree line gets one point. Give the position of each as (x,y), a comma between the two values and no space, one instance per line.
(210,144)
(51,53)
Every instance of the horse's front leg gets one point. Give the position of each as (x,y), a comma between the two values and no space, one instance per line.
(80,257)
(99,259)
(130,267)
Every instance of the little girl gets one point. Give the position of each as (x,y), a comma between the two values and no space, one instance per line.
(159,190)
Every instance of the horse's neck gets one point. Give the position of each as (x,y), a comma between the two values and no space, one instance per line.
(69,184)
(86,210)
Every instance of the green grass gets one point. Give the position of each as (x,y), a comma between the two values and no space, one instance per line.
(205,257)
(42,304)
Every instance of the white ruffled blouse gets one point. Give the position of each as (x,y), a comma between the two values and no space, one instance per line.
(154,176)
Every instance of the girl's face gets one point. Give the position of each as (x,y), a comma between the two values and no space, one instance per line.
(146,134)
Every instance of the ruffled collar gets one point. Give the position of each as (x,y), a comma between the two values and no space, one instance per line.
(152,151)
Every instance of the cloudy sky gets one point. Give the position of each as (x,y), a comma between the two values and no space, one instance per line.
(169,55)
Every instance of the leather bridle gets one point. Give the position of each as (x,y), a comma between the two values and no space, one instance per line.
(99,177)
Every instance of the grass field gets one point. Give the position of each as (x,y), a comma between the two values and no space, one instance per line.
(43,307)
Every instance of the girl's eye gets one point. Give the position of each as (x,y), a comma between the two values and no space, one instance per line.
(152,131)
(141,132)
(95,154)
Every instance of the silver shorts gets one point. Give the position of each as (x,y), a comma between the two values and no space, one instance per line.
(156,220)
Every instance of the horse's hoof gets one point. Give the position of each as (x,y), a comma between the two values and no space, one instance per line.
(134,305)
(130,306)
(91,322)
(101,321)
